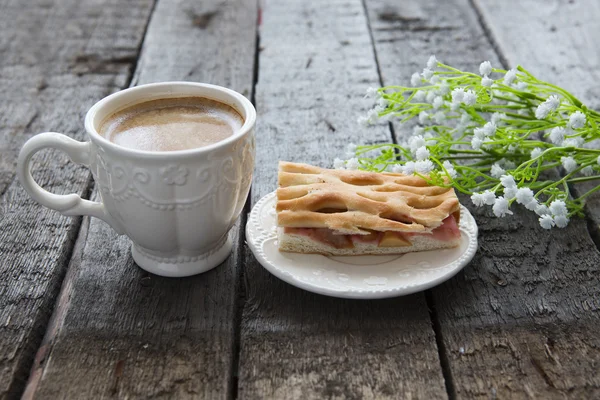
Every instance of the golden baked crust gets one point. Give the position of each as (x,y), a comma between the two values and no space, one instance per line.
(359,202)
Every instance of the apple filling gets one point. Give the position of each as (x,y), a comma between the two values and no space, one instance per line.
(448,231)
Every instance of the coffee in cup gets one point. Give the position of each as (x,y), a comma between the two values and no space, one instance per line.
(172,124)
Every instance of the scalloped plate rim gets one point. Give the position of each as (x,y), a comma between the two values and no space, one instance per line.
(468,228)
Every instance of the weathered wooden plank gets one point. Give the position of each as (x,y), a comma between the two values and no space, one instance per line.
(315,64)
(560,47)
(118,331)
(518,321)
(56,59)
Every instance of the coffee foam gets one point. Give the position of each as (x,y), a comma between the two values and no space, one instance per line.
(172,124)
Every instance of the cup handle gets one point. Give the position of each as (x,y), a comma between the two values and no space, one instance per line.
(69,204)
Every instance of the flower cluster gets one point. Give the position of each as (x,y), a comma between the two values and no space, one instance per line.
(496,136)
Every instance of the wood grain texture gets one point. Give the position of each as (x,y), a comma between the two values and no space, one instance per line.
(561,47)
(124,333)
(56,59)
(316,61)
(518,321)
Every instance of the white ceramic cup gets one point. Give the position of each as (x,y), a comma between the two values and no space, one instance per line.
(177,207)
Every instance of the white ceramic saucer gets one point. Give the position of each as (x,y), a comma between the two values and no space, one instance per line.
(360,277)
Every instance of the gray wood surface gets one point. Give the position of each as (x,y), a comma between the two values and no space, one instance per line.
(518,322)
(56,59)
(127,333)
(78,318)
(316,62)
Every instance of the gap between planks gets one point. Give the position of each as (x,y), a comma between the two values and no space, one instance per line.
(240,301)
(54,324)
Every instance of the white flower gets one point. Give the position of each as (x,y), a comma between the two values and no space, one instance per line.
(510,76)
(435,79)
(497,171)
(557,135)
(424,166)
(568,163)
(508,181)
(351,148)
(532,205)
(521,86)
(432,62)
(339,163)
(364,121)
(397,169)
(558,207)
(501,207)
(444,88)
(536,152)
(489,128)
(417,130)
(420,96)
(598,160)
(422,153)
(465,118)
(460,129)
(458,95)
(428,135)
(409,168)
(352,163)
(561,221)
(454,106)
(423,116)
(542,209)
(485,68)
(415,143)
(573,142)
(415,79)
(477,199)
(383,103)
(546,221)
(487,82)
(430,96)
(577,120)
(489,198)
(553,102)
(450,169)
(524,195)
(371,93)
(427,74)
(587,171)
(372,116)
(548,106)
(476,143)
(470,98)
(510,192)
(439,117)
(438,102)
(542,111)
(496,117)
(479,133)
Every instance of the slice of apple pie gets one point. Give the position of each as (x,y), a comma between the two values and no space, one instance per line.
(342,212)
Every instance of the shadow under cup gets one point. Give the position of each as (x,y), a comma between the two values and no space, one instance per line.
(177,207)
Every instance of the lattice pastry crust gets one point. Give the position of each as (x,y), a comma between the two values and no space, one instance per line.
(358,202)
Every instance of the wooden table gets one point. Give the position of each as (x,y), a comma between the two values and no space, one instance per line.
(78,319)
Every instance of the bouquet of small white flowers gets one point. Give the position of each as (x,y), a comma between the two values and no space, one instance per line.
(492,135)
